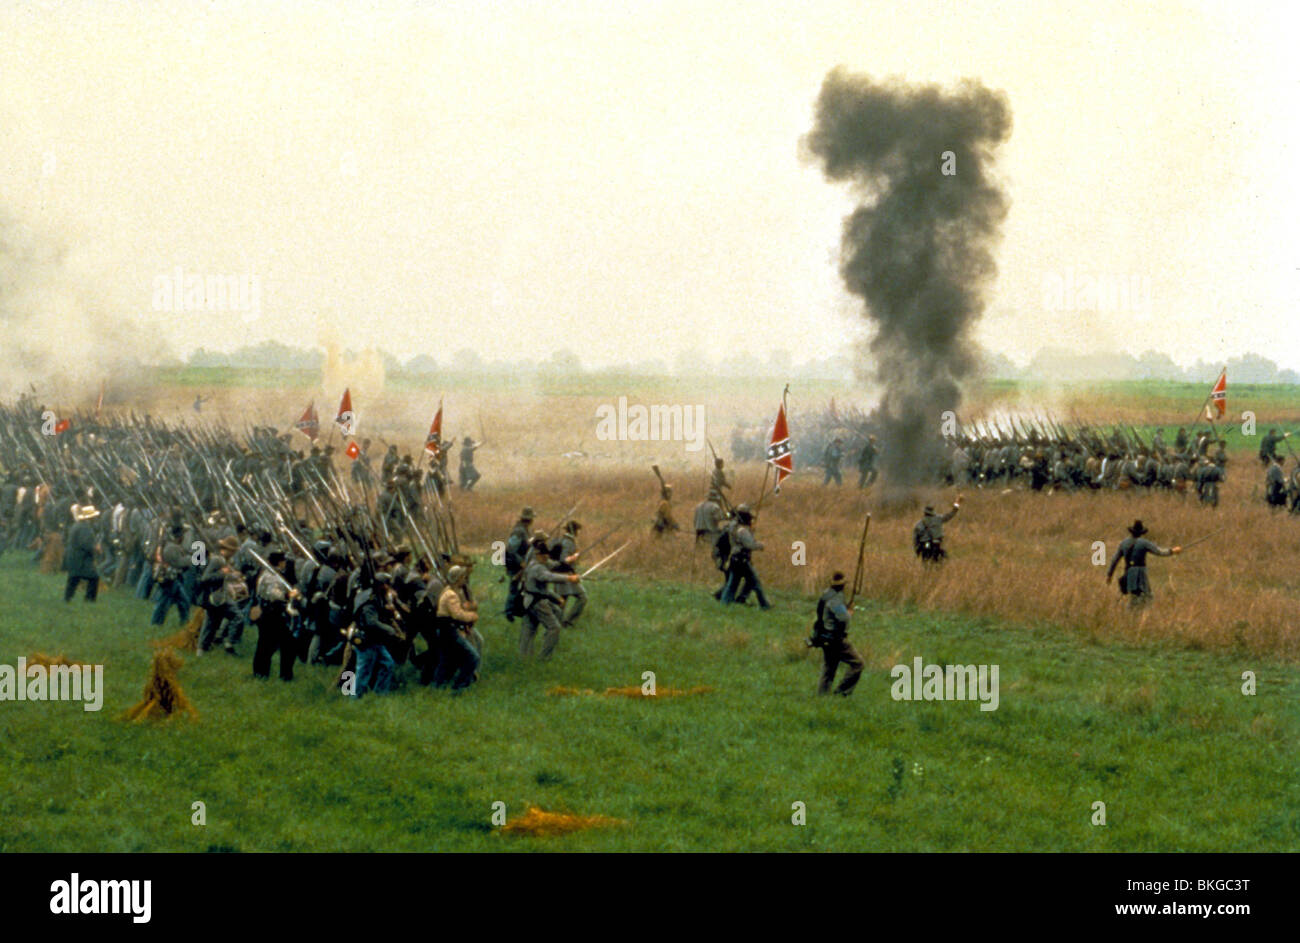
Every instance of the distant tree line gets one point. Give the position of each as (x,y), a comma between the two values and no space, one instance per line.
(1049,364)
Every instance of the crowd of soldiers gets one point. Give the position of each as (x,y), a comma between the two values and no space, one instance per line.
(1047,456)
(247,531)
(244,531)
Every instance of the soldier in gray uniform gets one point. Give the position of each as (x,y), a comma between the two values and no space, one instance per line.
(831,459)
(1275,483)
(173,562)
(741,576)
(719,481)
(1133,550)
(1268,446)
(709,518)
(542,606)
(927,535)
(830,634)
(1208,476)
(516,554)
(469,475)
(565,554)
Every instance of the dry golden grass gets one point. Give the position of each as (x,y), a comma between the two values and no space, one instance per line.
(539,823)
(1020,556)
(186,638)
(49,661)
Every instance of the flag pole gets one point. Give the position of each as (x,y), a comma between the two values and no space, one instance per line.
(1208,396)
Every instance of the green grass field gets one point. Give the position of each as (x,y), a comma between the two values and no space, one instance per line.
(1182,759)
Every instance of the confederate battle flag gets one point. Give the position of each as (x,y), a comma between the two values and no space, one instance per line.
(309,424)
(433,443)
(779,450)
(346,420)
(1218,398)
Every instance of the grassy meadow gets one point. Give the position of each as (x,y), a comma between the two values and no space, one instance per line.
(1142,711)
(1163,736)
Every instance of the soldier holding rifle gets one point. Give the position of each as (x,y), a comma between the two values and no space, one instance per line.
(831,630)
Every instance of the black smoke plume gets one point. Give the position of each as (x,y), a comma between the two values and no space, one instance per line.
(916,250)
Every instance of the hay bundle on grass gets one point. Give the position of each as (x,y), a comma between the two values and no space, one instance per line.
(186,638)
(537,823)
(162,693)
(632,690)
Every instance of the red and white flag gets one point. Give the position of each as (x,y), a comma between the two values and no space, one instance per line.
(353,450)
(779,450)
(309,424)
(346,420)
(433,442)
(1218,398)
(63,425)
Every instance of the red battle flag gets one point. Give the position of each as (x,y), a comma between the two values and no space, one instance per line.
(779,450)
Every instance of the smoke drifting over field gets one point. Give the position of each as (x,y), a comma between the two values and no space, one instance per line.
(917,249)
(54,332)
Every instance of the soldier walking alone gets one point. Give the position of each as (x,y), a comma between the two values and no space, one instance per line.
(1133,551)
(830,634)
(927,535)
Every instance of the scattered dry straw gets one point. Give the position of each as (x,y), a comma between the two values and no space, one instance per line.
(537,822)
(163,697)
(631,690)
(49,661)
(185,639)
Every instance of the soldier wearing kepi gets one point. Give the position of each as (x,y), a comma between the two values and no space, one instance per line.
(457,614)
(830,634)
(927,535)
(542,605)
(1133,550)
(515,556)
(565,553)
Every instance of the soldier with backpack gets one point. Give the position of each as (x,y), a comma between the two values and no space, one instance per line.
(830,634)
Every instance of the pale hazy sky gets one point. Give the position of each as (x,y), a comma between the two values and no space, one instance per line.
(624,179)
